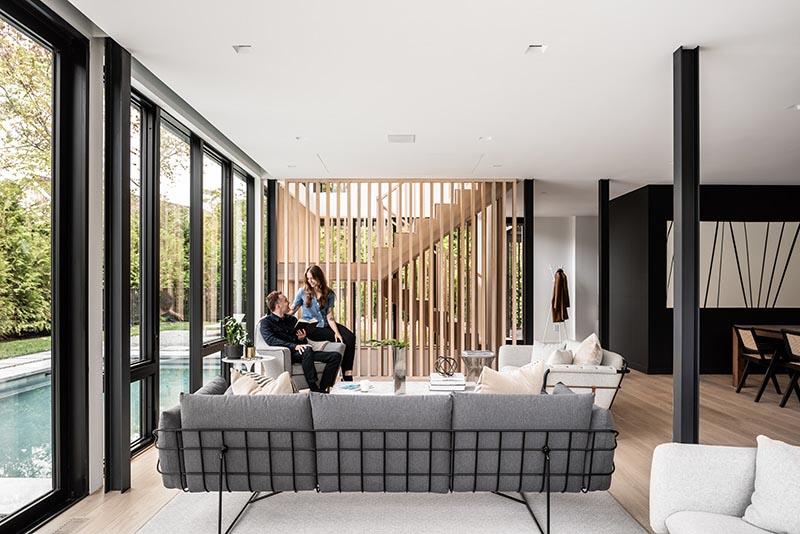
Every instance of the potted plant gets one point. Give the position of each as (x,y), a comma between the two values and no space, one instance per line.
(249,349)
(234,334)
(398,361)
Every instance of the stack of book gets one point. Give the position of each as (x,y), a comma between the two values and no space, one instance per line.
(440,382)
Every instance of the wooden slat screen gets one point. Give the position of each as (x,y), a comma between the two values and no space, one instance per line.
(432,262)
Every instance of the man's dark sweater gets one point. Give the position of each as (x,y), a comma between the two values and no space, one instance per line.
(279,332)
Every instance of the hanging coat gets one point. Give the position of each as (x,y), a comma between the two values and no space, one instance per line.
(560,301)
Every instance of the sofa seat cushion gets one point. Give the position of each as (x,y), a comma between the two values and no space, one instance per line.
(366,417)
(489,413)
(709,523)
(269,417)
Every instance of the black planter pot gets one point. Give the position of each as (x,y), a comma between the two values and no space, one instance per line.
(233,352)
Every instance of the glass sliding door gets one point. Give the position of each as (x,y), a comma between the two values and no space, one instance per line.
(44,462)
(26,400)
(174,199)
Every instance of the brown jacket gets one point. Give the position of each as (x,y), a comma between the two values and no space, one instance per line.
(560,301)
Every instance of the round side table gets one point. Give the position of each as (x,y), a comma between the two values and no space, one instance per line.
(227,363)
(474,360)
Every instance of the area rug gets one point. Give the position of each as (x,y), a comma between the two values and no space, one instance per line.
(379,513)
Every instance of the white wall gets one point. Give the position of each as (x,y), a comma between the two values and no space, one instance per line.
(586,280)
(569,243)
(553,246)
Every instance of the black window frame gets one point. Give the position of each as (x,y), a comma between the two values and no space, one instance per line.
(70,259)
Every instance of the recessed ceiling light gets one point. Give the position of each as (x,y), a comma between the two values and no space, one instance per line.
(291,165)
(401,138)
(242,48)
(497,165)
(300,138)
(536,48)
(485,138)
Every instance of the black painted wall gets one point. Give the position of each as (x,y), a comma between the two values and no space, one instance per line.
(640,324)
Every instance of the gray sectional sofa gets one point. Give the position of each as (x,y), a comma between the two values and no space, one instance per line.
(341,443)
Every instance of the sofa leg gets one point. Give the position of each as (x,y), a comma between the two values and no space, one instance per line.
(524,500)
(253,497)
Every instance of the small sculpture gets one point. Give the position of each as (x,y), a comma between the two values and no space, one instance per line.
(446,366)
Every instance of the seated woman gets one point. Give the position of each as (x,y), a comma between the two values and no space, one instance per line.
(317,301)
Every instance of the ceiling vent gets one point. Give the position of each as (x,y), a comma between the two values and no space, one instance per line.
(242,48)
(536,49)
(401,138)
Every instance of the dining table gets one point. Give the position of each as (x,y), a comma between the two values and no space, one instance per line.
(763,330)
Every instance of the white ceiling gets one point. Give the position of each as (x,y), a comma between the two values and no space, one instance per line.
(597,104)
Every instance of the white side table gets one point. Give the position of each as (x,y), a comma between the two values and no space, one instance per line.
(227,363)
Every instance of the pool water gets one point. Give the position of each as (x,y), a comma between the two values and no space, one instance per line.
(26,422)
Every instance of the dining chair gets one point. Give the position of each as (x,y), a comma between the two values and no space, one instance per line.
(791,364)
(758,355)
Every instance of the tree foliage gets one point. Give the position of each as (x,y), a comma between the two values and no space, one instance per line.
(26,72)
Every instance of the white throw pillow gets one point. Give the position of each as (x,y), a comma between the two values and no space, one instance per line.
(542,350)
(774,504)
(248,383)
(528,379)
(560,357)
(589,352)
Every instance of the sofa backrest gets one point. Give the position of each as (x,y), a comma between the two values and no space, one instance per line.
(491,460)
(278,459)
(370,417)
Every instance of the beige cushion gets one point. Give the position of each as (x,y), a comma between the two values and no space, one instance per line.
(542,350)
(589,352)
(560,357)
(247,383)
(528,379)
(773,505)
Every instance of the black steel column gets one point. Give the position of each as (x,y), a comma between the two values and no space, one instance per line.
(250,306)
(196,265)
(527,262)
(686,312)
(603,261)
(117,267)
(272,238)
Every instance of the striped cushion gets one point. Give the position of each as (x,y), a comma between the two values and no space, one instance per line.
(247,383)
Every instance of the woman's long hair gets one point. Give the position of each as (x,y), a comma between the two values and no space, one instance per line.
(322,287)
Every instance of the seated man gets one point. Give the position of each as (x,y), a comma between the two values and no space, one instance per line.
(278,330)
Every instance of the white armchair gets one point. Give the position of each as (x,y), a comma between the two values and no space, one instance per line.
(283,358)
(701,489)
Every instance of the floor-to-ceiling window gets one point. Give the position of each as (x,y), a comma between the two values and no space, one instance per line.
(26,124)
(173,306)
(239,244)
(43,180)
(135,278)
(212,260)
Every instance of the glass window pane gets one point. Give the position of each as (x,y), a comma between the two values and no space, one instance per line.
(136,195)
(212,248)
(174,180)
(239,244)
(136,410)
(211,366)
(26,125)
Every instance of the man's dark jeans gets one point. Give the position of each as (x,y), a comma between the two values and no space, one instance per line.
(307,359)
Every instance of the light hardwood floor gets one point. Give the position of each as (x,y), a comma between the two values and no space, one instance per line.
(643,413)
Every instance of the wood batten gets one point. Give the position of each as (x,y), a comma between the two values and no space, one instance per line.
(429,262)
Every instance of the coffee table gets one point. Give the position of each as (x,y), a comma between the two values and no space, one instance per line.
(386,387)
